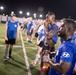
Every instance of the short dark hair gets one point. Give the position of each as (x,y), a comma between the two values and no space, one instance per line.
(50,14)
(71,24)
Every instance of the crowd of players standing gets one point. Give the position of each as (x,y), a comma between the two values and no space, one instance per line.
(47,32)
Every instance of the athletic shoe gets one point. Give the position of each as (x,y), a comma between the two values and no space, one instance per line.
(4,59)
(29,41)
(10,58)
(33,64)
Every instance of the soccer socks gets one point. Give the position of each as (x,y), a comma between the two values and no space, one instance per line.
(36,59)
(10,52)
(5,53)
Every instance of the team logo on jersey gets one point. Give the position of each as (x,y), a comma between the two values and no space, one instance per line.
(15,25)
(66,54)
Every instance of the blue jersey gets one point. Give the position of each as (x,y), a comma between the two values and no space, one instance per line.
(12,29)
(53,29)
(66,52)
(30,24)
(42,33)
(74,38)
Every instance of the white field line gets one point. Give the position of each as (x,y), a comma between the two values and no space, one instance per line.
(19,47)
(25,56)
(13,46)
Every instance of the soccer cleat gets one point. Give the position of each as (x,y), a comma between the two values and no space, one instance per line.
(33,64)
(4,59)
(29,41)
(10,58)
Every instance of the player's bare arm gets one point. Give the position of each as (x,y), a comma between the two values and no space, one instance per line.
(6,26)
(61,67)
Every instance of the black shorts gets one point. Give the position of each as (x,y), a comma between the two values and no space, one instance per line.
(74,74)
(30,33)
(10,41)
(51,49)
(36,34)
(41,44)
(45,47)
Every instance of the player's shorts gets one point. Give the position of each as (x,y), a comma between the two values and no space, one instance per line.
(41,44)
(51,50)
(25,30)
(30,33)
(45,47)
(36,34)
(10,41)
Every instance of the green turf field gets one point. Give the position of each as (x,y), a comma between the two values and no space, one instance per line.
(17,66)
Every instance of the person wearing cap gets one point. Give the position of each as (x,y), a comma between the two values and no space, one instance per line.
(11,31)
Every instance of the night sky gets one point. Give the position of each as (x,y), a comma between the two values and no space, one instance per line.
(62,8)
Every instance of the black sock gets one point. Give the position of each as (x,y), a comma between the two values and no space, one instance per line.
(10,52)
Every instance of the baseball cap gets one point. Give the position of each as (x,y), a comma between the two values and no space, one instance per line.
(13,15)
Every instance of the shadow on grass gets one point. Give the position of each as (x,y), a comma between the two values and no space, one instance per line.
(16,65)
(2,72)
(34,70)
(19,62)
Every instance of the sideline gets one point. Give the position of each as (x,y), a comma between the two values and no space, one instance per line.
(25,56)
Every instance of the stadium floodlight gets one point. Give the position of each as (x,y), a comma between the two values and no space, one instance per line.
(6,15)
(3,14)
(34,15)
(20,12)
(12,12)
(1,7)
(40,15)
(28,13)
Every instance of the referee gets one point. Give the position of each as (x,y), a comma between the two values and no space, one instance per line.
(11,33)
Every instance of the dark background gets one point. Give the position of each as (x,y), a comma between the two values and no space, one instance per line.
(62,8)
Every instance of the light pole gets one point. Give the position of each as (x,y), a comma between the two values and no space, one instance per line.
(28,13)
(20,12)
(12,12)
(1,8)
(40,15)
(34,15)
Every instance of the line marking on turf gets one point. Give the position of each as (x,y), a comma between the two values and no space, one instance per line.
(13,46)
(25,56)
(20,47)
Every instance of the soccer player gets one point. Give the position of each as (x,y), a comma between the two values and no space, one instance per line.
(30,30)
(51,29)
(51,36)
(40,42)
(66,54)
(11,35)
(74,40)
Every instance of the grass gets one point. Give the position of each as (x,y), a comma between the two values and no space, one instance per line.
(14,67)
(17,66)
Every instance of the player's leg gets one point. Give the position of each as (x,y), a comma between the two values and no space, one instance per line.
(6,49)
(38,55)
(12,42)
(10,51)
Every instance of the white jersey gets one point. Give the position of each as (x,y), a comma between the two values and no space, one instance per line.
(40,28)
